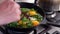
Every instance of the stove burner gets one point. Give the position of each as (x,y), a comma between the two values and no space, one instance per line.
(55,21)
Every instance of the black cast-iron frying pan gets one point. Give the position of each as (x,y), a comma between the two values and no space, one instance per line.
(29,5)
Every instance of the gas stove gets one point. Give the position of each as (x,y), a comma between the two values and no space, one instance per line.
(50,26)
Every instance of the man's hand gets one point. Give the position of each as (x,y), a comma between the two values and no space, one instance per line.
(9,12)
